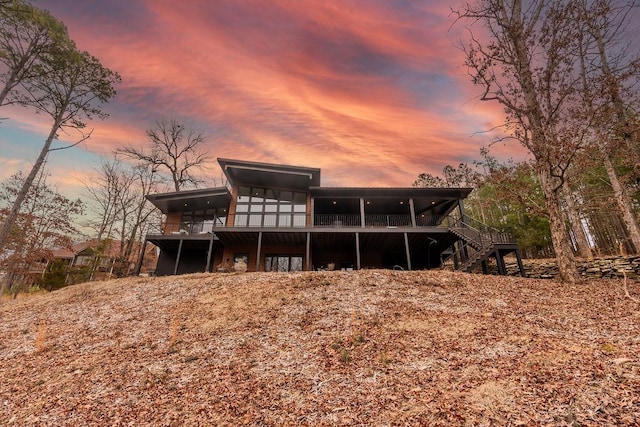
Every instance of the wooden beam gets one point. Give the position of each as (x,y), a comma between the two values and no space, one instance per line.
(175,267)
(362,217)
(412,211)
(357,251)
(406,248)
(258,251)
(209,254)
(308,252)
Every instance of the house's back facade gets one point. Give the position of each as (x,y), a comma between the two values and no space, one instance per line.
(278,218)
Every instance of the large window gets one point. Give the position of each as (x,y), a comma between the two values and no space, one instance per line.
(264,207)
(283,263)
(199,222)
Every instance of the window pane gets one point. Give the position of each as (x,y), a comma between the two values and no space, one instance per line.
(257,195)
(270,220)
(221,221)
(267,263)
(271,208)
(243,194)
(284,220)
(255,220)
(285,208)
(270,196)
(240,221)
(286,196)
(299,220)
(283,263)
(299,208)
(255,208)
(296,263)
(242,208)
(300,198)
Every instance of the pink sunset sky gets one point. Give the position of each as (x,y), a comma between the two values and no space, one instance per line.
(373,92)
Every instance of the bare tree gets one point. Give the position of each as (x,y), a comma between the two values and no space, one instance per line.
(70,92)
(607,78)
(118,192)
(526,60)
(46,220)
(176,150)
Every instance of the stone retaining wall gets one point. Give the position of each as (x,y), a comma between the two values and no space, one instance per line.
(608,267)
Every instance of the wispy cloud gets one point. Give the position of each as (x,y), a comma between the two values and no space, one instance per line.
(373,92)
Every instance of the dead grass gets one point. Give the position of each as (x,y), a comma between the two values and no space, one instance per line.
(323,348)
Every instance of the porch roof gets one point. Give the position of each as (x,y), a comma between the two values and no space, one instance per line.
(200,199)
(241,172)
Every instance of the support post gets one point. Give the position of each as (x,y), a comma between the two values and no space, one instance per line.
(485,267)
(406,248)
(140,258)
(312,215)
(500,261)
(175,267)
(308,252)
(357,251)
(209,254)
(412,212)
(362,217)
(258,251)
(461,209)
(520,266)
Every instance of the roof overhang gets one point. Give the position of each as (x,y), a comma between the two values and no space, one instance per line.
(407,192)
(433,201)
(201,199)
(269,175)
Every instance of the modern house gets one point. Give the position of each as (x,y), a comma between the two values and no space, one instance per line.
(279,218)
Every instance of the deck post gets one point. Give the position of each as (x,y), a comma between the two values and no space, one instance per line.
(357,251)
(175,267)
(140,258)
(520,266)
(502,270)
(406,248)
(412,212)
(362,217)
(209,254)
(308,252)
(258,251)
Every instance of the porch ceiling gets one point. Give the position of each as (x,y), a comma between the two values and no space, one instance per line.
(281,238)
(201,199)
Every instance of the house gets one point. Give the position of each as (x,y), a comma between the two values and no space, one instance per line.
(279,218)
(100,259)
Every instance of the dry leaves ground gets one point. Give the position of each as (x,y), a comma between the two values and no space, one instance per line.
(323,348)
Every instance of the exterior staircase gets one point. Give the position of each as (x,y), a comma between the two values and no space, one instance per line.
(476,243)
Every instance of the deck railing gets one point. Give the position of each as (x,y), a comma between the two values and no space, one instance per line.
(336,220)
(387,221)
(177,227)
(320,221)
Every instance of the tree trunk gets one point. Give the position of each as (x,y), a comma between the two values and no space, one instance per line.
(584,250)
(623,204)
(564,254)
(17,204)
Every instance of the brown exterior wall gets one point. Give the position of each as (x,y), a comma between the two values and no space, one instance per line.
(232,206)
(172,222)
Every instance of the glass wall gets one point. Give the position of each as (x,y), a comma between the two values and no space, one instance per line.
(264,207)
(283,263)
(199,222)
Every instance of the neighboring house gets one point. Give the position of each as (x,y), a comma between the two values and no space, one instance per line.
(278,218)
(99,259)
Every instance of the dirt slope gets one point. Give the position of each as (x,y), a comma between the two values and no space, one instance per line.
(323,348)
